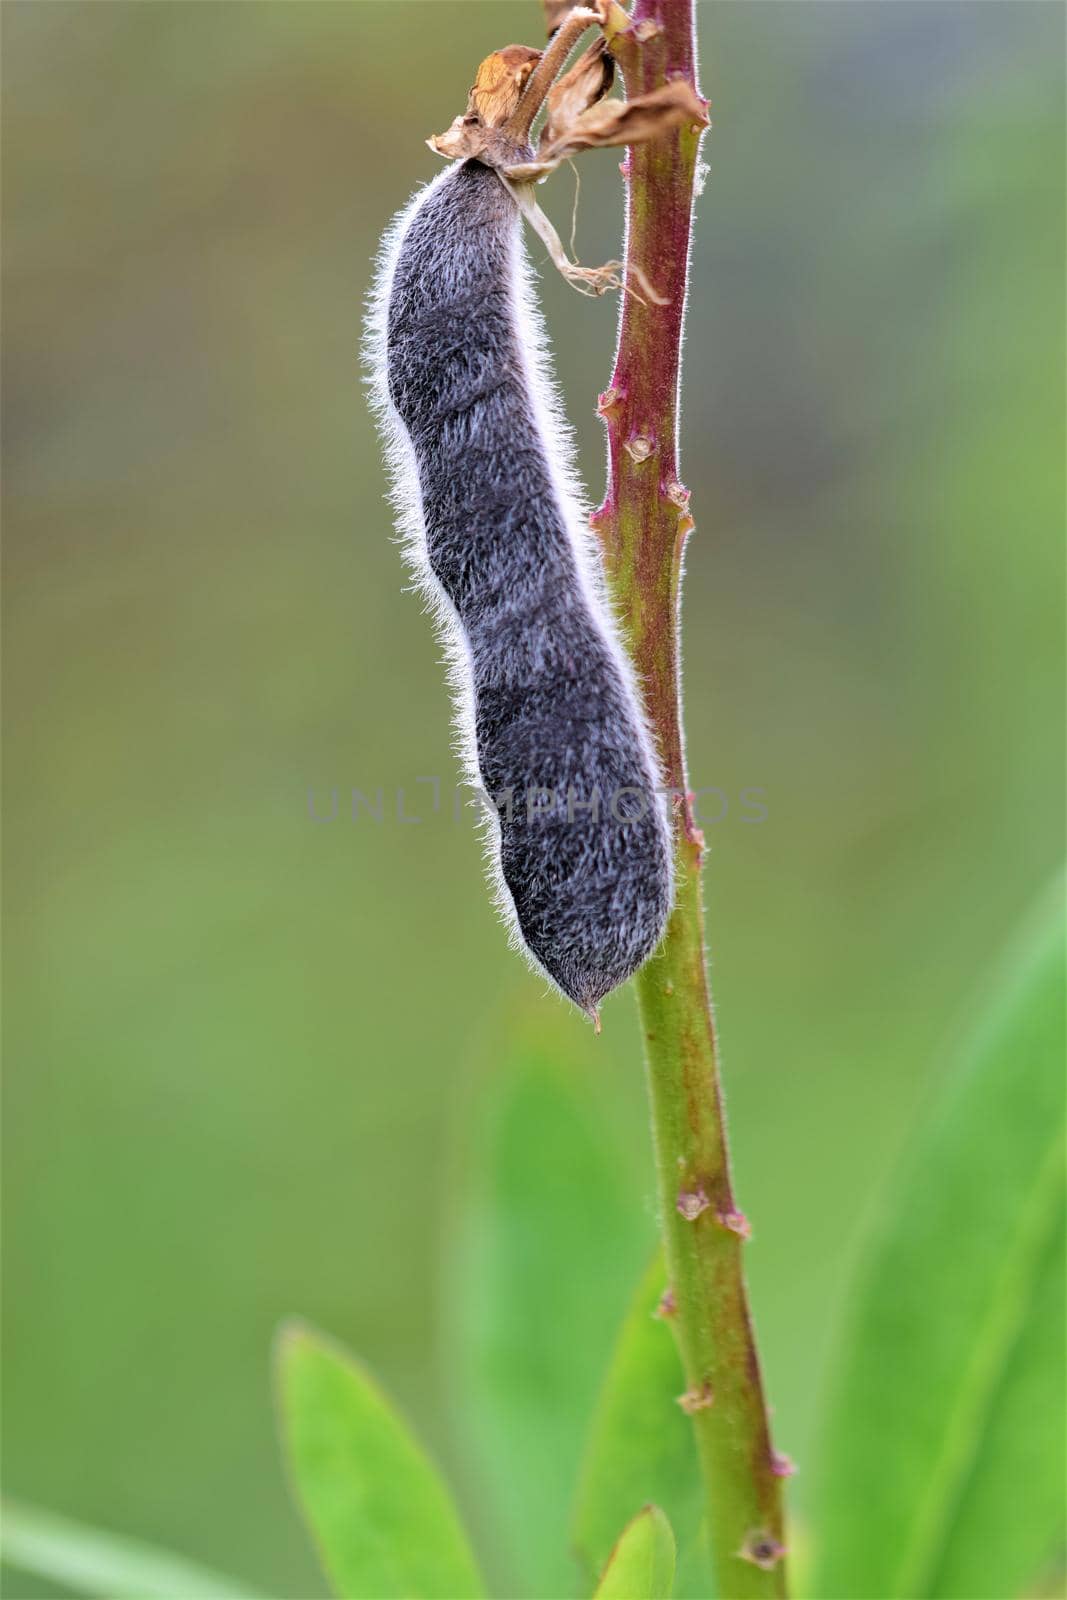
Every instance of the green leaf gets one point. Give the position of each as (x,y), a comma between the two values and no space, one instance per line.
(943,1473)
(381,1518)
(550,1228)
(92,1562)
(641,1566)
(1016,1486)
(641,1447)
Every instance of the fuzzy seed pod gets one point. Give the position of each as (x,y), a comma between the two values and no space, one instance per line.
(580,838)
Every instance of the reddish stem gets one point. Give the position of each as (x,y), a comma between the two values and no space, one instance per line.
(643,525)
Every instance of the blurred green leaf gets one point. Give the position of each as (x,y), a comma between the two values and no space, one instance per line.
(1017,1483)
(380,1516)
(641,1447)
(641,1566)
(93,1562)
(943,1471)
(548,1234)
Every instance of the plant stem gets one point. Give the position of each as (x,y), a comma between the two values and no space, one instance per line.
(545,73)
(642,526)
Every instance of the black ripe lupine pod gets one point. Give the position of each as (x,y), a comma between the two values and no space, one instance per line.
(550,717)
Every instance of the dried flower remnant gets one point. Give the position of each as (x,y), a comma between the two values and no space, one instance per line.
(499,83)
(494,97)
(617,122)
(579,117)
(588,81)
(511,87)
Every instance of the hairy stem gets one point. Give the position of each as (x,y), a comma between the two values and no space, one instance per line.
(545,73)
(642,525)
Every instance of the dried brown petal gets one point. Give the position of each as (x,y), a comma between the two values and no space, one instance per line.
(588,81)
(465,137)
(499,83)
(615,122)
(468,139)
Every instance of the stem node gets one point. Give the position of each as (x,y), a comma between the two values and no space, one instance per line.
(763,1550)
(694,1400)
(691,1203)
(668,1306)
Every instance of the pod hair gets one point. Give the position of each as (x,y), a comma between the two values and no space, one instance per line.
(550,723)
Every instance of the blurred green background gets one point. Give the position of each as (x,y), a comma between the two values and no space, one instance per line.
(240,1042)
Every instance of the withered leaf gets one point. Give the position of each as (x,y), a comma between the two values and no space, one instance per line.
(588,81)
(617,122)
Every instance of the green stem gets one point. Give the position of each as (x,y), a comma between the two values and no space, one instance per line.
(642,526)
